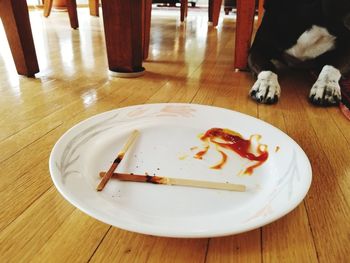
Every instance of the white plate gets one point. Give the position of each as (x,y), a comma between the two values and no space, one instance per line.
(168,133)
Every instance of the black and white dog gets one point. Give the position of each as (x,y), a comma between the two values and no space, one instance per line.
(313,34)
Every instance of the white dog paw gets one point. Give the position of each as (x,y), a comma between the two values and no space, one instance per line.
(266,89)
(326,90)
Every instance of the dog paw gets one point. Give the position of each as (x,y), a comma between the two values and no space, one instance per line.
(266,89)
(326,90)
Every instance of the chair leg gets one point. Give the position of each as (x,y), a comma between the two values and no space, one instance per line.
(47,7)
(214,11)
(184,10)
(227,10)
(94,7)
(15,19)
(72,12)
(123,35)
(147,11)
(244,30)
(260,11)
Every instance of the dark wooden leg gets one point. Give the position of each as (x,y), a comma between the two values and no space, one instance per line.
(227,10)
(47,7)
(147,11)
(15,18)
(94,7)
(184,9)
(72,12)
(123,33)
(214,11)
(244,30)
(260,11)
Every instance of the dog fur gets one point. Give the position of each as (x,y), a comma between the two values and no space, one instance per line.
(310,34)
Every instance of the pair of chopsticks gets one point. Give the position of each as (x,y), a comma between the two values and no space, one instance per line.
(158,179)
(117,160)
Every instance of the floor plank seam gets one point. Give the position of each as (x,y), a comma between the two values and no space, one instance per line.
(98,245)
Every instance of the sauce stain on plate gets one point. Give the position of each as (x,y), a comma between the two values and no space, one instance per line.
(230,140)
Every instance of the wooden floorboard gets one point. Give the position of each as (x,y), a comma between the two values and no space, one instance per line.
(189,62)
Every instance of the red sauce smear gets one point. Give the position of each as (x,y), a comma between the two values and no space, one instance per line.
(199,155)
(222,162)
(233,141)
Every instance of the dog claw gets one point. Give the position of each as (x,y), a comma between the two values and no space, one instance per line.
(318,101)
(327,101)
(260,99)
(272,100)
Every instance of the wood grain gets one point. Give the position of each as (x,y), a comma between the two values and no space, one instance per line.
(294,229)
(238,248)
(188,62)
(78,228)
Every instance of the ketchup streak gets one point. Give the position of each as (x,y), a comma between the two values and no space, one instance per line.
(222,162)
(235,142)
(199,155)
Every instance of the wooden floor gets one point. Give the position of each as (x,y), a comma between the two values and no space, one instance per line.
(189,62)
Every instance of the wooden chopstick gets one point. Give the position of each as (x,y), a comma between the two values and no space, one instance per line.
(117,160)
(176,181)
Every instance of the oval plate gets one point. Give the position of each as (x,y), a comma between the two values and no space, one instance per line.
(170,138)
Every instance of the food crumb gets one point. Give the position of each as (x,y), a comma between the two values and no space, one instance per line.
(183,157)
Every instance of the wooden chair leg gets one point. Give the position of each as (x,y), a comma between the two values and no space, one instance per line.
(260,11)
(184,10)
(94,7)
(123,34)
(244,30)
(214,11)
(47,7)
(227,10)
(15,19)
(147,12)
(72,12)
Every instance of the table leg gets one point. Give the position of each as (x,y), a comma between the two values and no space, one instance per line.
(214,11)
(47,7)
(123,34)
(244,30)
(184,10)
(146,27)
(73,14)
(93,6)
(15,18)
